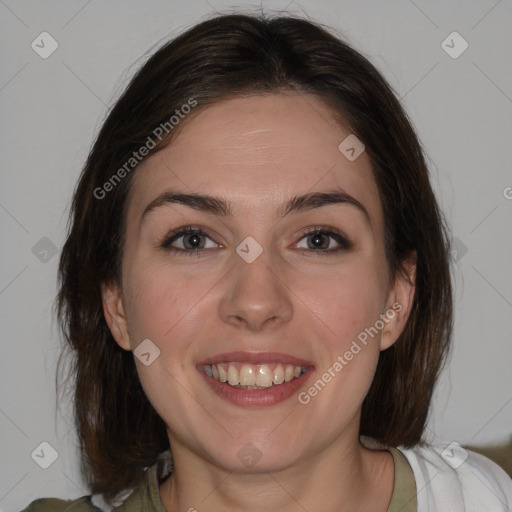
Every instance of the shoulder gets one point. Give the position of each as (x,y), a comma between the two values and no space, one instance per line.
(55,505)
(452,478)
(145,496)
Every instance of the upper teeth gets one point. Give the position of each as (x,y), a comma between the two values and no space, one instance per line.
(253,375)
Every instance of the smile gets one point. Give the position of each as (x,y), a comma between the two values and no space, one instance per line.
(255,379)
(253,376)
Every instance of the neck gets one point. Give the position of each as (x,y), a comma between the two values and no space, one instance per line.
(344,477)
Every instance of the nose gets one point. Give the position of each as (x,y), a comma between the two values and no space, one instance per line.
(256,295)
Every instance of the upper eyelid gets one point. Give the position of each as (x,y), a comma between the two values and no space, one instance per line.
(326,229)
(322,227)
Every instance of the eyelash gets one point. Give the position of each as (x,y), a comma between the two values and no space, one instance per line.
(344,243)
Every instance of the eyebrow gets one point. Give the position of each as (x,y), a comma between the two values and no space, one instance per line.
(219,206)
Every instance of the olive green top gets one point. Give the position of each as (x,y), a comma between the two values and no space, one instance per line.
(146,497)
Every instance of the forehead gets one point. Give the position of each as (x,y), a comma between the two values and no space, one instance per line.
(256,152)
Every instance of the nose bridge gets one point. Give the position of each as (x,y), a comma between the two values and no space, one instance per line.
(255,292)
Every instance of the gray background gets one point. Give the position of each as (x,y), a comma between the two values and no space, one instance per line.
(52,108)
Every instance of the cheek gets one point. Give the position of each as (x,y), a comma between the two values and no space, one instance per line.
(160,302)
(161,307)
(347,301)
(349,304)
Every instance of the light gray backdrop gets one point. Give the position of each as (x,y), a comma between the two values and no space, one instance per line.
(460,103)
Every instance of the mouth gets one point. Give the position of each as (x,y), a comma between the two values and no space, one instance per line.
(255,379)
(251,376)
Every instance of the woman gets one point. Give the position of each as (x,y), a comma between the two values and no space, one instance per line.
(256,281)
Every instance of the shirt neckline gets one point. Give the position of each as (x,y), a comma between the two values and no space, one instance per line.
(147,496)
(403,498)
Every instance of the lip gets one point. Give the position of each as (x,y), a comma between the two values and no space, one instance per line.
(256,358)
(256,397)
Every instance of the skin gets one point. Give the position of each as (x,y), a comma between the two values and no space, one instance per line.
(257,152)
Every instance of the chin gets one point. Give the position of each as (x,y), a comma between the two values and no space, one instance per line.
(256,453)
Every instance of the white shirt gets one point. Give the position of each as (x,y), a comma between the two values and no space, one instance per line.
(453,479)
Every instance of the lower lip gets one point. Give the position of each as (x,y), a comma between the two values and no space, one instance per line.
(257,397)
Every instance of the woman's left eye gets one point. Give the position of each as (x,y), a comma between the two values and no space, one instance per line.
(321,240)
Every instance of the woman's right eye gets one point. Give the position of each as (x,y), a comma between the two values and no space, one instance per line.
(188,240)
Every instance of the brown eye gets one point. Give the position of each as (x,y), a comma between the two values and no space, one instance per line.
(324,240)
(318,241)
(188,240)
(193,241)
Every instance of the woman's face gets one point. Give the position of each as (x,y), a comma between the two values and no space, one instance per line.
(284,267)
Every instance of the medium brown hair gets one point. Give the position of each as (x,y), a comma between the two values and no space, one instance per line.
(119,431)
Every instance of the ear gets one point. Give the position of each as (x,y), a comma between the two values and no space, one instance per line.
(399,303)
(113,309)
